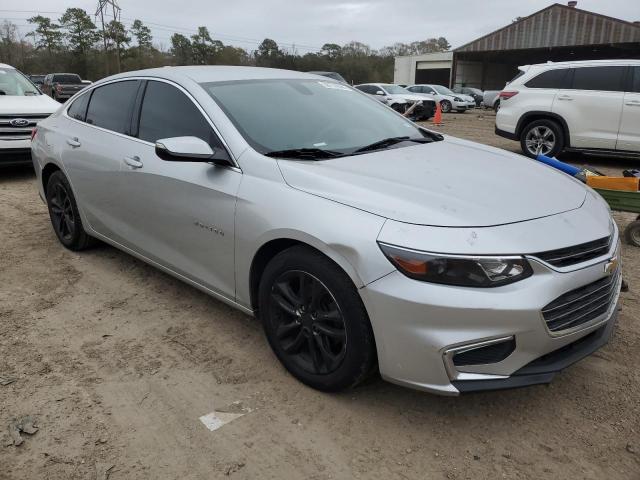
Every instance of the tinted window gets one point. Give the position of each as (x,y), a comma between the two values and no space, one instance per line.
(67,79)
(167,112)
(635,86)
(78,108)
(110,106)
(550,79)
(599,78)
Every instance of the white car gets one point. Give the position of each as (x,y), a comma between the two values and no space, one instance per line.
(592,106)
(399,98)
(22,105)
(448,100)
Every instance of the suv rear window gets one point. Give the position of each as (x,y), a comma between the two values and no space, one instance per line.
(608,79)
(556,78)
(67,79)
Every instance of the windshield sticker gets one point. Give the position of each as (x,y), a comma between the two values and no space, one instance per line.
(334,86)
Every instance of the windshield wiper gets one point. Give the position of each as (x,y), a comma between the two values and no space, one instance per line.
(304,153)
(387,142)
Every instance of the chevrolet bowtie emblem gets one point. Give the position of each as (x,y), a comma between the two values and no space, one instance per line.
(611,266)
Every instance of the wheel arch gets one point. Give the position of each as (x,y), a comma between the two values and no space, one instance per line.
(269,249)
(532,116)
(48,170)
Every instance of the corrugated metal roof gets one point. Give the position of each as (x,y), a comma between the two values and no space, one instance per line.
(557,26)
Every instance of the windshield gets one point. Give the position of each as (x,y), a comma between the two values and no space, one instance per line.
(14,83)
(69,79)
(276,115)
(442,90)
(395,89)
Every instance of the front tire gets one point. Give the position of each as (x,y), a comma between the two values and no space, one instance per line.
(542,137)
(445,106)
(315,321)
(64,214)
(632,233)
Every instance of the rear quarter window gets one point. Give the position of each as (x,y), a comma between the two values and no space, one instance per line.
(556,78)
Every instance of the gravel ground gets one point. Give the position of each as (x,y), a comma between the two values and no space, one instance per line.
(115,362)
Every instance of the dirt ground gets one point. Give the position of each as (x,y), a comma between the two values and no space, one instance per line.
(116,361)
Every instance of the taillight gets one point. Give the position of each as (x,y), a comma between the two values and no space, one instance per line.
(34,130)
(506,94)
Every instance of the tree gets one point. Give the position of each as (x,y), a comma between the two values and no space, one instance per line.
(47,35)
(142,34)
(116,34)
(8,42)
(181,49)
(331,51)
(268,53)
(205,49)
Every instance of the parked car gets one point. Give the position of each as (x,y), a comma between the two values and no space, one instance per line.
(591,106)
(360,239)
(334,75)
(491,99)
(449,101)
(37,79)
(61,86)
(400,99)
(475,93)
(22,105)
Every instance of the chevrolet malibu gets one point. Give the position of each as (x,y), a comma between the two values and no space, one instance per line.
(363,242)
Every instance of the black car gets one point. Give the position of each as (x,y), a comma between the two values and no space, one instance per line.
(476,93)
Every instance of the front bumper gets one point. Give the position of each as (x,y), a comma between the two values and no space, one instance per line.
(417,323)
(15,152)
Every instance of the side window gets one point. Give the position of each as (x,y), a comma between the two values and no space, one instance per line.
(362,88)
(557,78)
(78,108)
(167,112)
(635,84)
(608,79)
(110,106)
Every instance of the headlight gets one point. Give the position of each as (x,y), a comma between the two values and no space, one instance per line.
(464,271)
(457,99)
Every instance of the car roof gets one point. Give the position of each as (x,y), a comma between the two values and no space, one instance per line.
(217,73)
(579,63)
(4,65)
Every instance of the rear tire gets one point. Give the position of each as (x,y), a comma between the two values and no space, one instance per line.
(64,214)
(632,233)
(542,137)
(315,321)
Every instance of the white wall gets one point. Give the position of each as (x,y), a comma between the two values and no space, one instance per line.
(405,67)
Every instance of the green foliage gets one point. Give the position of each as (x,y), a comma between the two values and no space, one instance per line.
(75,44)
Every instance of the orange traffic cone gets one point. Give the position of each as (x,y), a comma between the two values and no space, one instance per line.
(437,118)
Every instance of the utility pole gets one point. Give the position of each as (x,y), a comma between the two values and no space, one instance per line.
(115,11)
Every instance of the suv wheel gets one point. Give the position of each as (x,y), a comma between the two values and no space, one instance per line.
(542,137)
(445,106)
(63,211)
(315,321)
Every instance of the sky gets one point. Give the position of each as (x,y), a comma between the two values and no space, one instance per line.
(308,24)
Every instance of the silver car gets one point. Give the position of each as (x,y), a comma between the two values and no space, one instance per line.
(362,241)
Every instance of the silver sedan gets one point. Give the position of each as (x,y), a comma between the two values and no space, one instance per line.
(363,242)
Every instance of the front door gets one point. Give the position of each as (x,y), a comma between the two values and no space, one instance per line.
(629,135)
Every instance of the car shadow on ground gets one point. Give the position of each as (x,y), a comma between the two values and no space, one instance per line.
(16,173)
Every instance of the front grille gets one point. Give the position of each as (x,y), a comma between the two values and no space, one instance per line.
(581,305)
(565,257)
(9,132)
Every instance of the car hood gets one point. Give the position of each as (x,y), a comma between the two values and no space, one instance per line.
(452,183)
(19,105)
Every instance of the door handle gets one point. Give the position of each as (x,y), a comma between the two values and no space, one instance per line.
(564,97)
(74,142)
(133,162)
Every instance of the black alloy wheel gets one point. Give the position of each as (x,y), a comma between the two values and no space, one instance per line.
(64,214)
(308,322)
(315,320)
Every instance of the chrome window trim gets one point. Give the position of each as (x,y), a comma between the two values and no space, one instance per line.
(86,91)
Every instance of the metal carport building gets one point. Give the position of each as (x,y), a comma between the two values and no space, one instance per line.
(556,33)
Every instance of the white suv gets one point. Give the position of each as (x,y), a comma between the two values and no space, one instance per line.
(22,105)
(591,106)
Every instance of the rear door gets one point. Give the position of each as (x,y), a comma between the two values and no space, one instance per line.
(178,214)
(95,138)
(629,135)
(592,106)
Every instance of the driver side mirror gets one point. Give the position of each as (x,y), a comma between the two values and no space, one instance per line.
(190,149)
(379,92)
